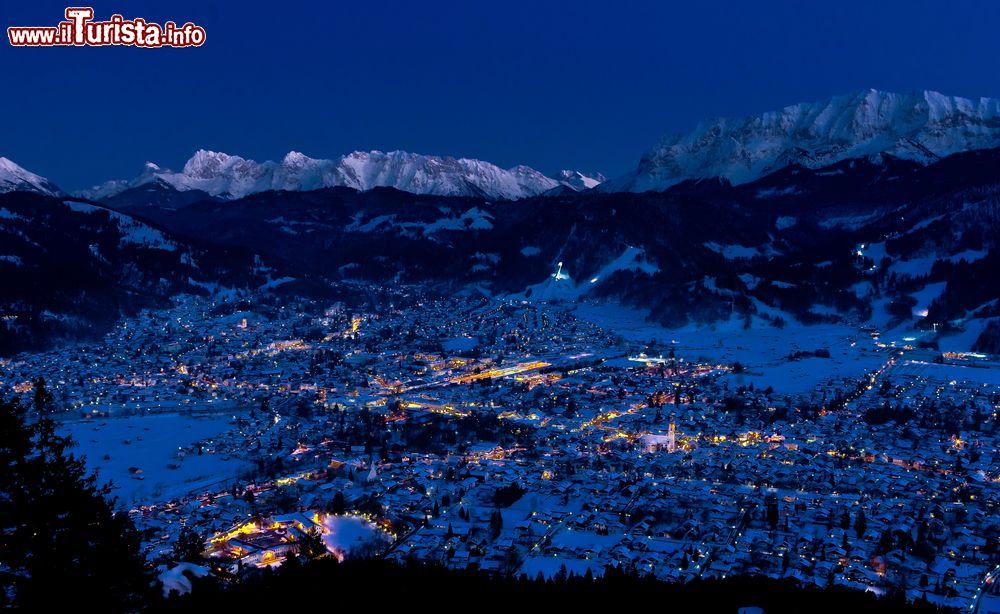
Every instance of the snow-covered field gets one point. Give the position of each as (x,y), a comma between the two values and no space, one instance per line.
(345,535)
(762,350)
(974,373)
(151,443)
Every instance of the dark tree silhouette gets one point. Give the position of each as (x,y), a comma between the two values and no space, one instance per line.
(43,399)
(190,546)
(311,544)
(62,544)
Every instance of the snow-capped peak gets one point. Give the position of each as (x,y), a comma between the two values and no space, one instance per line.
(207,164)
(225,175)
(221,174)
(578,180)
(295,158)
(14,178)
(923,126)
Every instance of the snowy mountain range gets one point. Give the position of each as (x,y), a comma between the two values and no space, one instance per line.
(228,176)
(880,240)
(13,178)
(923,127)
(579,181)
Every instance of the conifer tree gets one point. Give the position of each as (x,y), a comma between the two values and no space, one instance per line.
(311,544)
(190,546)
(62,544)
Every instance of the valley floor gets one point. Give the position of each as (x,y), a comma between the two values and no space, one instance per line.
(534,438)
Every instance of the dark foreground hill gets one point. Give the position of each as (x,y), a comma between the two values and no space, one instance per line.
(325,584)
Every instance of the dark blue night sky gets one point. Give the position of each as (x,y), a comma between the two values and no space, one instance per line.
(587,85)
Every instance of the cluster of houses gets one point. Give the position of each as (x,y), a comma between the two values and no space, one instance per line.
(521,439)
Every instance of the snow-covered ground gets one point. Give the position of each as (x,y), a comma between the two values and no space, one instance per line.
(561,286)
(151,443)
(975,373)
(762,350)
(344,535)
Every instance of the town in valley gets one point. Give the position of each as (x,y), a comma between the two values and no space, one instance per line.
(538,437)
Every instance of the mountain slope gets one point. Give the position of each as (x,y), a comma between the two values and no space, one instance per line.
(69,269)
(882,241)
(155,193)
(579,181)
(14,178)
(885,242)
(222,175)
(923,127)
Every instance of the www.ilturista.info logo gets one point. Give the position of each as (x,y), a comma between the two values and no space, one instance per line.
(80,30)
